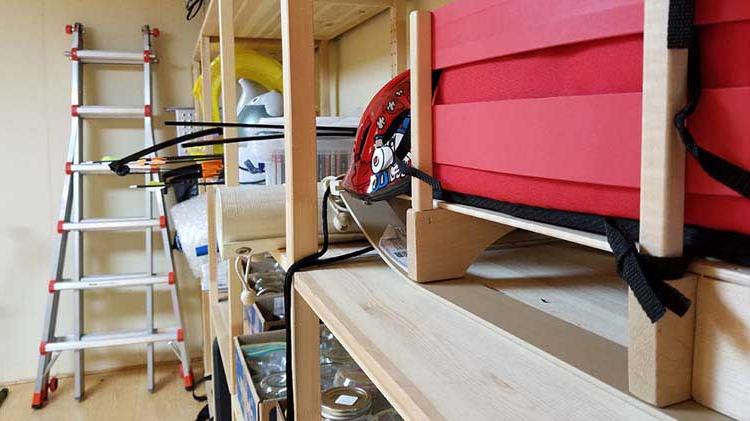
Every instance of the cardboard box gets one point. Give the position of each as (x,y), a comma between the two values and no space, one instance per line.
(251,405)
(259,316)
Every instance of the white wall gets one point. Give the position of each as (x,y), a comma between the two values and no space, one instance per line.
(34,127)
(364,59)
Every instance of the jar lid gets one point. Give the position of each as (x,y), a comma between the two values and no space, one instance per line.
(343,403)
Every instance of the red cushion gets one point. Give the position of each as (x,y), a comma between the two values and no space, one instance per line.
(541,105)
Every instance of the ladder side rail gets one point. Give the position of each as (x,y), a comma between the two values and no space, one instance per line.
(148,140)
(76,215)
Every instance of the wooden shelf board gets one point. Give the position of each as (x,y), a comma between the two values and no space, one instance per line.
(714,269)
(442,350)
(722,271)
(579,237)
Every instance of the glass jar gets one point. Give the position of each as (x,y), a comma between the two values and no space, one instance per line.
(270,362)
(345,404)
(388,414)
(273,386)
(267,283)
(336,355)
(263,262)
(328,374)
(353,376)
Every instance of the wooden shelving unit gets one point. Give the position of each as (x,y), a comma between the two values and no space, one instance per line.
(265,26)
(535,332)
(521,336)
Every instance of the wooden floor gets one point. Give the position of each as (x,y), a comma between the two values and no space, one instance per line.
(118,395)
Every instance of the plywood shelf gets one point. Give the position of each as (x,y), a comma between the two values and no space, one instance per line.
(531,332)
(714,269)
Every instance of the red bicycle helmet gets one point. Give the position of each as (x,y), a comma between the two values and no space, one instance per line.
(383,139)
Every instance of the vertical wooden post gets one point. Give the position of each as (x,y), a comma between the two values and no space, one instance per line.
(660,355)
(206,73)
(196,69)
(324,77)
(228,89)
(398,37)
(213,288)
(211,296)
(301,191)
(421,107)
(299,129)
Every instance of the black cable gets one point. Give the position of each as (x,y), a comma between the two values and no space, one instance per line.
(251,139)
(120,167)
(234,140)
(351,130)
(306,262)
(193,7)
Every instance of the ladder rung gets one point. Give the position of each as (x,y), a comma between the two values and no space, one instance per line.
(108,111)
(100,340)
(95,282)
(113,224)
(111,57)
(103,168)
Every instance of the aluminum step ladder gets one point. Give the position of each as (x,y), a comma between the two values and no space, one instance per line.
(71,225)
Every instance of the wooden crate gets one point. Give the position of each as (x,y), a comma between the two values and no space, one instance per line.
(721,363)
(252,407)
(259,316)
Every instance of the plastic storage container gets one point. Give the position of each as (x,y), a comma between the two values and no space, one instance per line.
(334,153)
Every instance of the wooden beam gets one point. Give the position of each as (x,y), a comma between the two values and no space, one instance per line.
(421,105)
(299,129)
(398,37)
(213,258)
(306,359)
(206,331)
(660,355)
(205,52)
(324,77)
(301,191)
(228,89)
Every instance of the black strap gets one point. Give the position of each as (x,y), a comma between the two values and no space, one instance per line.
(203,415)
(723,171)
(409,171)
(681,35)
(199,398)
(645,274)
(680,28)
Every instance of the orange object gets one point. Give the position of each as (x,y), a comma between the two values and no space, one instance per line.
(211,168)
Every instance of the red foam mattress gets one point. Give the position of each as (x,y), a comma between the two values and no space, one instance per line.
(539,103)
